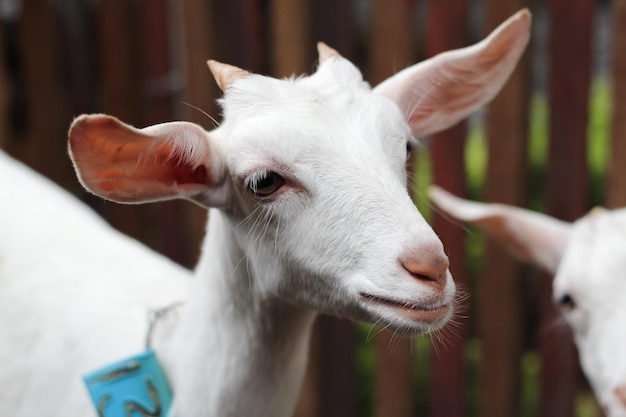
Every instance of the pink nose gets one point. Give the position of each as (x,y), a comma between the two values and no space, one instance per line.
(620,394)
(428,265)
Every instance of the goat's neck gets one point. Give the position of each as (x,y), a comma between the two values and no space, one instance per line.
(234,352)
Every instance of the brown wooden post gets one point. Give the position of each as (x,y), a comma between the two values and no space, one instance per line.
(199,37)
(75,29)
(390,50)
(155,53)
(391,38)
(4,89)
(447,29)
(119,58)
(292,50)
(14,93)
(499,289)
(616,187)
(241,34)
(43,142)
(337,368)
(569,58)
(333,24)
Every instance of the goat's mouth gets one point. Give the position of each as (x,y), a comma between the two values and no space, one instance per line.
(426,313)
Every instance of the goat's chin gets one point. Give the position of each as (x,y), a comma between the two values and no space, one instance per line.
(405,320)
(412,328)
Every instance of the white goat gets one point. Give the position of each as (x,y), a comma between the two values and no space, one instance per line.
(588,258)
(309,212)
(73,291)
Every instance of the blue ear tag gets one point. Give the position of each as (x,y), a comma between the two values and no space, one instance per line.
(133,387)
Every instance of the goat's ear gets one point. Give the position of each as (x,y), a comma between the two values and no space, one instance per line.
(172,160)
(530,236)
(439,92)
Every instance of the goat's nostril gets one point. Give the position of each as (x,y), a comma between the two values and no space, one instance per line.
(431,271)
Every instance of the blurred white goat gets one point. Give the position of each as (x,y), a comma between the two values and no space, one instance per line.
(309,212)
(74,292)
(588,260)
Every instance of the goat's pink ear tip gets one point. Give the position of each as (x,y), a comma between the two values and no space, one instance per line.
(83,118)
(78,124)
(93,121)
(523,16)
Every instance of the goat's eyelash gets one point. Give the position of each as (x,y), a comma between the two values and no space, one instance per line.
(252,180)
(264,183)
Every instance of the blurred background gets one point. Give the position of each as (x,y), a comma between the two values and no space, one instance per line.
(554,140)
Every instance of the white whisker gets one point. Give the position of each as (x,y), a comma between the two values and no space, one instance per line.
(215,122)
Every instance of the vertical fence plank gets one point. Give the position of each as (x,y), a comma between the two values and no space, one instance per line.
(198,38)
(154,42)
(333,23)
(292,49)
(447,29)
(119,53)
(569,81)
(42,142)
(5,87)
(616,187)
(75,28)
(569,51)
(240,27)
(390,50)
(391,40)
(15,116)
(337,368)
(498,288)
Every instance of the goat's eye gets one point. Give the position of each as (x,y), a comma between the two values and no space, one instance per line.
(265,183)
(409,150)
(566,302)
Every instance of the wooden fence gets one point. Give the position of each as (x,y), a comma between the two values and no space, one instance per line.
(144,61)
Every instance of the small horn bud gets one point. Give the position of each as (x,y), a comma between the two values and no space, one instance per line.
(225,75)
(326,52)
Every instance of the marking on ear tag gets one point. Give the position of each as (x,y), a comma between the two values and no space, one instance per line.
(134,387)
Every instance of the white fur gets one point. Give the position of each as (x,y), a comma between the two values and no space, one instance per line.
(593,272)
(588,260)
(68,303)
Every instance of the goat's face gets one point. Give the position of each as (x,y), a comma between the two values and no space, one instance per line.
(318,166)
(311,173)
(589,287)
(588,260)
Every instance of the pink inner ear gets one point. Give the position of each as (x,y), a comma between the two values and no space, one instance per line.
(127,165)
